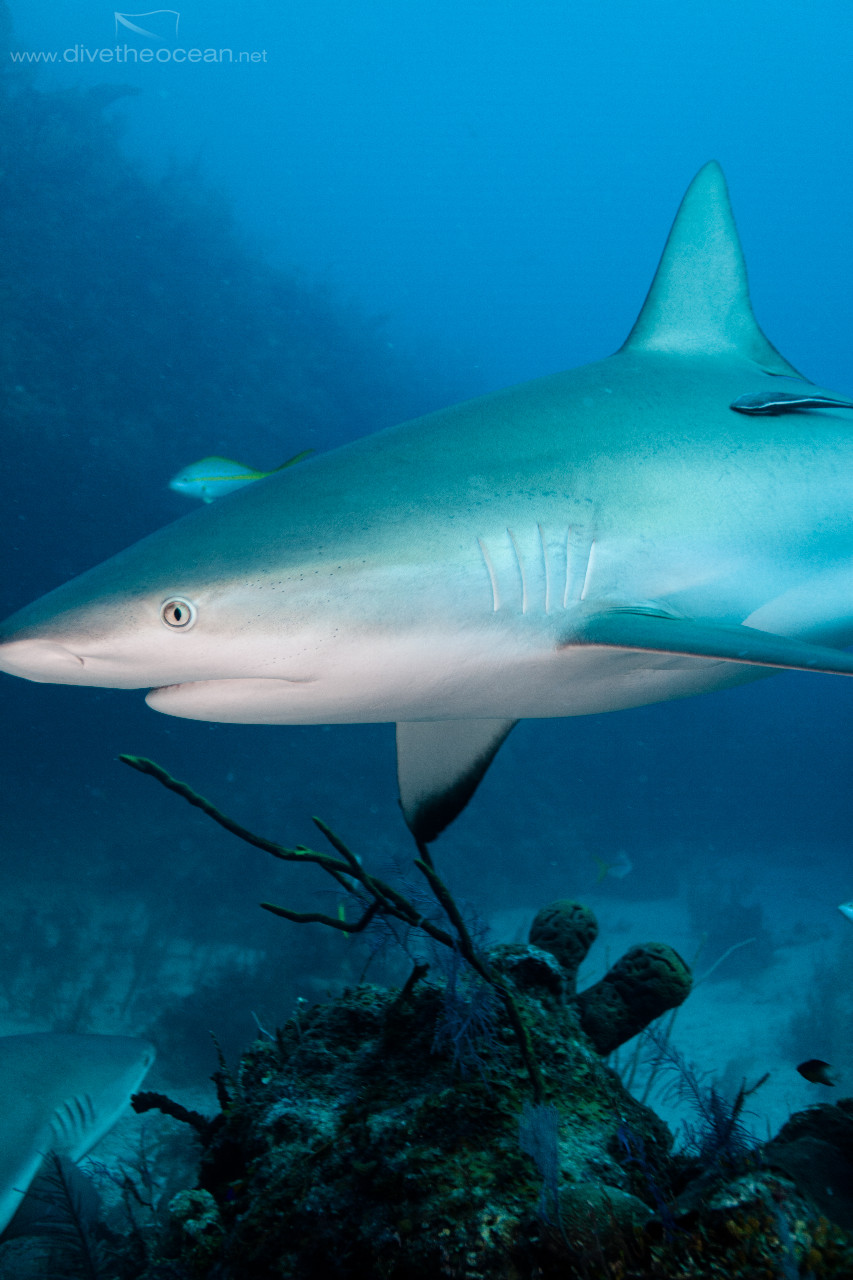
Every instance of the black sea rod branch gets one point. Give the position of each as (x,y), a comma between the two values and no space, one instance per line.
(381,898)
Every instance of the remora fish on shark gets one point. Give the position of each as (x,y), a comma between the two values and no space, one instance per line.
(616,535)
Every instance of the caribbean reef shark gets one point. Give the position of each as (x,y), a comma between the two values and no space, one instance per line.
(60,1093)
(673,519)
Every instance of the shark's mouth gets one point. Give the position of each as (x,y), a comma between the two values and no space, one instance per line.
(228,682)
(253,700)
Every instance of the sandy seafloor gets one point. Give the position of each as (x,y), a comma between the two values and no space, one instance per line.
(745,1019)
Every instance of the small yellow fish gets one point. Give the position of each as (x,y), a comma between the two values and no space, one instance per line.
(212,477)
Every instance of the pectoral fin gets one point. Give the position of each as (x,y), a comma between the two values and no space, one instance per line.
(439,766)
(657,633)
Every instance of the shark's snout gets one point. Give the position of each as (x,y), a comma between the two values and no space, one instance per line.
(43,660)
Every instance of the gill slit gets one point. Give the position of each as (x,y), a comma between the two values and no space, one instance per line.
(588,573)
(487,560)
(568,567)
(520,570)
(59,1122)
(547,568)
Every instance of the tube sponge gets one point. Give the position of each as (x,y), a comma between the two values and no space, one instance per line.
(567,929)
(648,980)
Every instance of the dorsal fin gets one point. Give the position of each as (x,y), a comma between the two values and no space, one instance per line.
(699,299)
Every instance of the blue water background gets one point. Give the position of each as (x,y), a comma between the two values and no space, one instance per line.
(492,183)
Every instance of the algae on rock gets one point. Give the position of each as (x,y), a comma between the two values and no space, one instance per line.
(348,1138)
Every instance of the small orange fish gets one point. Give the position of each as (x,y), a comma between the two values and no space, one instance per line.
(817,1072)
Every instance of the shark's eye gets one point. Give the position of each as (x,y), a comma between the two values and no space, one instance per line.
(178,613)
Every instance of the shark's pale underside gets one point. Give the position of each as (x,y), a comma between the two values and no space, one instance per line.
(60,1093)
(673,519)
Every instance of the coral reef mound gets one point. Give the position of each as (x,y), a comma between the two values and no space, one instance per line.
(349,1148)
